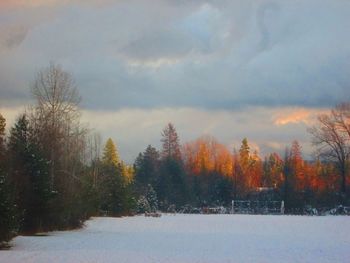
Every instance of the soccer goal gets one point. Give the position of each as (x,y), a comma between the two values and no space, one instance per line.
(257,207)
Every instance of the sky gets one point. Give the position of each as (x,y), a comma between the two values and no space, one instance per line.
(260,69)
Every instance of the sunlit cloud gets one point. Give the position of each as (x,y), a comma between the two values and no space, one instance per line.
(297,115)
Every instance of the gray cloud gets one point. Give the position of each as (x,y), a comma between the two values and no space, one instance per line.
(204,54)
(13,37)
(158,45)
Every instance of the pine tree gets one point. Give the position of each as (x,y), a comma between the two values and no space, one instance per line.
(8,213)
(244,155)
(2,136)
(171,185)
(146,169)
(30,176)
(245,162)
(298,166)
(152,199)
(289,195)
(142,205)
(170,141)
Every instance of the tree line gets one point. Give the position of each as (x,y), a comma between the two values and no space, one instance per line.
(54,174)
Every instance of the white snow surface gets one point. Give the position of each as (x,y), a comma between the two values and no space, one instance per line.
(191,238)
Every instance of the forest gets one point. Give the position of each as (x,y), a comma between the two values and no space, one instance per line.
(55,173)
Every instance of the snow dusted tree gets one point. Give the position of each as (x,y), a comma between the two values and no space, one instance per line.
(142,205)
(152,199)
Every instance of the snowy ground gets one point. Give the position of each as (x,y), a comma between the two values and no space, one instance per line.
(192,238)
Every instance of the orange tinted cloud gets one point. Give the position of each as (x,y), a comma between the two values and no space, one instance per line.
(294,116)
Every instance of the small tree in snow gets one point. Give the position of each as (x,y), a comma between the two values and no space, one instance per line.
(143,205)
(152,198)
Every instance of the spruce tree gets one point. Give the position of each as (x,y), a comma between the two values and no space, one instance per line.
(30,175)
(8,212)
(170,142)
(171,185)
(244,155)
(146,168)
(152,199)
(142,205)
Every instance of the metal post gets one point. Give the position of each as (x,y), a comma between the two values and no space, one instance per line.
(282,207)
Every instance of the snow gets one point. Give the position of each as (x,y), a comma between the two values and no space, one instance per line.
(191,238)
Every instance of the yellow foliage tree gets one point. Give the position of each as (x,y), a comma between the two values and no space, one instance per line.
(110,154)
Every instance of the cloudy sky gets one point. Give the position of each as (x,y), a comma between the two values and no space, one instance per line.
(261,69)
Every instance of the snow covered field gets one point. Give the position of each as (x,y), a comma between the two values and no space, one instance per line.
(192,238)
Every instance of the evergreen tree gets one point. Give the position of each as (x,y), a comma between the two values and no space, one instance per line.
(152,199)
(273,171)
(29,175)
(288,188)
(243,173)
(2,136)
(8,222)
(170,141)
(8,212)
(244,155)
(142,205)
(171,186)
(115,191)
(146,169)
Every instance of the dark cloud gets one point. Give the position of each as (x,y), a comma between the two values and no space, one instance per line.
(204,54)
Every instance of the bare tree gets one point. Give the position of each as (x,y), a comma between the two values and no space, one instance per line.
(56,116)
(342,118)
(332,137)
